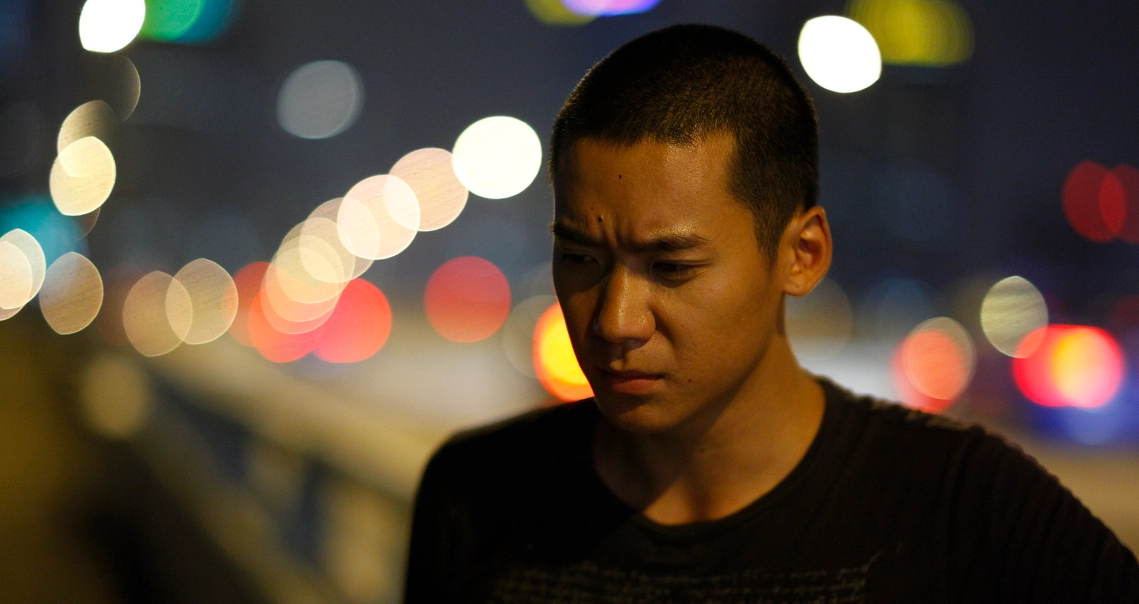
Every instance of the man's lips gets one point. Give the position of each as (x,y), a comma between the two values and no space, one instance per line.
(630,382)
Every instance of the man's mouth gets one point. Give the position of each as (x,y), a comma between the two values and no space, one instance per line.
(630,382)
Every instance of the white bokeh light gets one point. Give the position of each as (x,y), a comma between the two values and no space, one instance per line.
(497,157)
(109,25)
(839,54)
(320,99)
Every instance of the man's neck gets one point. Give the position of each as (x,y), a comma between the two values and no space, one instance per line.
(711,467)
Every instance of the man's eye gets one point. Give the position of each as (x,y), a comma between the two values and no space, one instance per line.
(570,258)
(673,270)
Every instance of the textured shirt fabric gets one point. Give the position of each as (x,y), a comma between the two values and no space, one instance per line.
(888,505)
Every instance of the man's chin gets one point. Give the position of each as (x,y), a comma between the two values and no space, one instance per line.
(639,415)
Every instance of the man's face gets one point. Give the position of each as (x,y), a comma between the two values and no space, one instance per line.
(669,300)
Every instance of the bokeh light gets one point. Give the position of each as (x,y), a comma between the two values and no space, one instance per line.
(839,54)
(1095,202)
(15,277)
(115,395)
(109,25)
(1011,312)
(518,332)
(1074,365)
(187,21)
(94,118)
(609,7)
(554,13)
(554,360)
(157,314)
(1128,179)
(247,281)
(467,299)
(359,326)
(213,300)
(320,99)
(497,157)
(121,86)
(378,217)
(273,344)
(934,364)
(34,254)
(926,33)
(431,175)
(55,233)
(819,324)
(321,223)
(72,294)
(82,177)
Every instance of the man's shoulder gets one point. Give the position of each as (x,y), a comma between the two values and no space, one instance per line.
(538,436)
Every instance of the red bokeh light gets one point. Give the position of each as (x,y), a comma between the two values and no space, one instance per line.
(1074,366)
(272,344)
(359,326)
(1102,204)
(248,281)
(1128,178)
(467,299)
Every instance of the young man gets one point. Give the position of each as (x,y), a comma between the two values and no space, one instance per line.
(710,467)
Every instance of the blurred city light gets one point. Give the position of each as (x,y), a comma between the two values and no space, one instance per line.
(1095,202)
(321,223)
(839,54)
(93,118)
(1074,365)
(213,300)
(187,21)
(927,33)
(554,360)
(518,332)
(115,396)
(497,157)
(431,175)
(359,326)
(554,13)
(378,217)
(609,7)
(82,177)
(157,314)
(72,294)
(467,299)
(109,25)
(1012,315)
(247,282)
(820,323)
(273,344)
(320,99)
(55,233)
(15,277)
(34,254)
(1128,179)
(934,364)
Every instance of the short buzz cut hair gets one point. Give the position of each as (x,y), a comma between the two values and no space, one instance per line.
(683,83)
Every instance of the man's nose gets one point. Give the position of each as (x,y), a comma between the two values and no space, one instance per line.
(623,315)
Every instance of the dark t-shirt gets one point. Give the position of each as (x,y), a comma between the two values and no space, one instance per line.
(888,505)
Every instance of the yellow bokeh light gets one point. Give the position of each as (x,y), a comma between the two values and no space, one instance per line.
(15,277)
(930,33)
(213,300)
(157,314)
(497,157)
(115,395)
(553,12)
(33,253)
(82,177)
(554,360)
(321,223)
(431,175)
(839,54)
(820,323)
(94,118)
(72,293)
(1012,315)
(379,217)
(109,25)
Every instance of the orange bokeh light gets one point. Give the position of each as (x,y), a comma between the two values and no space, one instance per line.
(359,326)
(554,360)
(1074,365)
(272,344)
(467,299)
(248,281)
(933,365)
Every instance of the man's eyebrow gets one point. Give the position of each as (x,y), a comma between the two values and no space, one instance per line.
(665,242)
